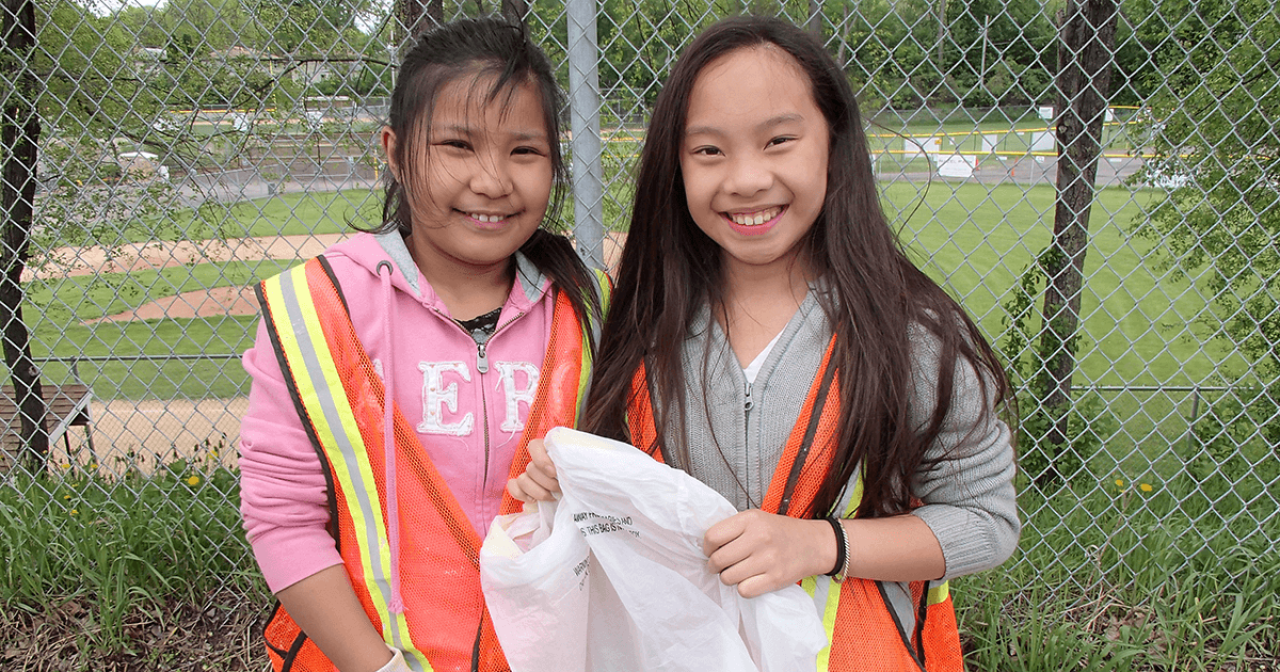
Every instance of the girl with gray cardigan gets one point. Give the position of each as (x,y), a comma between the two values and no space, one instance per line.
(769,335)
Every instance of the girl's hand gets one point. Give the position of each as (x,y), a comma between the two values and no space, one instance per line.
(538,482)
(760,552)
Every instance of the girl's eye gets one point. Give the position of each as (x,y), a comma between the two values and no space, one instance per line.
(456,144)
(707,151)
(527,151)
(779,140)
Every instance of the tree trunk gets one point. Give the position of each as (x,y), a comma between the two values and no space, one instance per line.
(844,39)
(942,36)
(814,23)
(515,10)
(1085,59)
(415,16)
(19,134)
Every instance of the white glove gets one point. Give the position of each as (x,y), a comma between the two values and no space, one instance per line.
(396,664)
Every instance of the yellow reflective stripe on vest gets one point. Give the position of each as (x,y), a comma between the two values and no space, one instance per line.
(606,289)
(584,375)
(939,593)
(830,606)
(322,394)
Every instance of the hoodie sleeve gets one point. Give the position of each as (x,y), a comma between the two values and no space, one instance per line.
(283,494)
(968,495)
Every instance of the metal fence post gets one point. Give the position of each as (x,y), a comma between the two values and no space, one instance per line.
(584,110)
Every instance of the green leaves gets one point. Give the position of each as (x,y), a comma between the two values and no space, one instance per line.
(1215,121)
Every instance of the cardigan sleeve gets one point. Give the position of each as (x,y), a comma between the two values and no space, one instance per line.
(283,492)
(968,494)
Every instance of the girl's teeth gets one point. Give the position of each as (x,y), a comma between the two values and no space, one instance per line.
(756,219)
(488,219)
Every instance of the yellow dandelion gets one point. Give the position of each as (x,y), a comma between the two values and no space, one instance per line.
(66,465)
(75,511)
(193,480)
(1145,487)
(93,465)
(1119,483)
(66,496)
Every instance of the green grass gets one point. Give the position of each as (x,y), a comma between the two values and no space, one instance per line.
(108,294)
(121,546)
(1106,578)
(1140,323)
(217,378)
(1121,579)
(63,335)
(289,213)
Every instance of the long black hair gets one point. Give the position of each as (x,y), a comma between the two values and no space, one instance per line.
(670,269)
(497,53)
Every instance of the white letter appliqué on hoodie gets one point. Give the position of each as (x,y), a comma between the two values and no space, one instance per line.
(507,372)
(435,393)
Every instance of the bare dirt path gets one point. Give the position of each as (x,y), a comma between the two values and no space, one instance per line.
(74,261)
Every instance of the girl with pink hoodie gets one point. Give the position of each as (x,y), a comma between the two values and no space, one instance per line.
(451,306)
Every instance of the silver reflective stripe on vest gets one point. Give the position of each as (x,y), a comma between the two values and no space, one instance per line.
(332,418)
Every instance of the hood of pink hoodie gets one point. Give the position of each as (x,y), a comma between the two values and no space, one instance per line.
(390,284)
(368,251)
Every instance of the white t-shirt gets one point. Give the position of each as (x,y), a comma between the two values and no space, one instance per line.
(753,368)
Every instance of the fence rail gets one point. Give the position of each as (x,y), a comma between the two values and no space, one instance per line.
(186,150)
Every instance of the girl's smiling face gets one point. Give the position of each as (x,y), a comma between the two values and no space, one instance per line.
(485,181)
(754,158)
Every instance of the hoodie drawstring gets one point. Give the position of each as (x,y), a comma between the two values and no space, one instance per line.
(396,605)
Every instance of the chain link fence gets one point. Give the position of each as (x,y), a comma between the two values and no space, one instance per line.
(158,160)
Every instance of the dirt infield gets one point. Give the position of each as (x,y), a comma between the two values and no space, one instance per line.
(142,434)
(206,303)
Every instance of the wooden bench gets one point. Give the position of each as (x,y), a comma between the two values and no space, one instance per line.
(67,407)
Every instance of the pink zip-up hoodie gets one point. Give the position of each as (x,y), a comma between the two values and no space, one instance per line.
(467,402)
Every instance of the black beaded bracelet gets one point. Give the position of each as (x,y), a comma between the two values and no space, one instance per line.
(842,549)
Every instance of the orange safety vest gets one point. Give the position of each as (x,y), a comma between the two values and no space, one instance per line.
(863,632)
(445,625)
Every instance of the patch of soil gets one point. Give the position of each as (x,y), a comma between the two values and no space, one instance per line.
(65,637)
(147,433)
(200,303)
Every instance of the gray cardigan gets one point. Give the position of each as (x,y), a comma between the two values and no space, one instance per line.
(969,500)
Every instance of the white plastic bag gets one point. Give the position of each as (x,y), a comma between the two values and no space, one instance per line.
(650,602)
(536,587)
